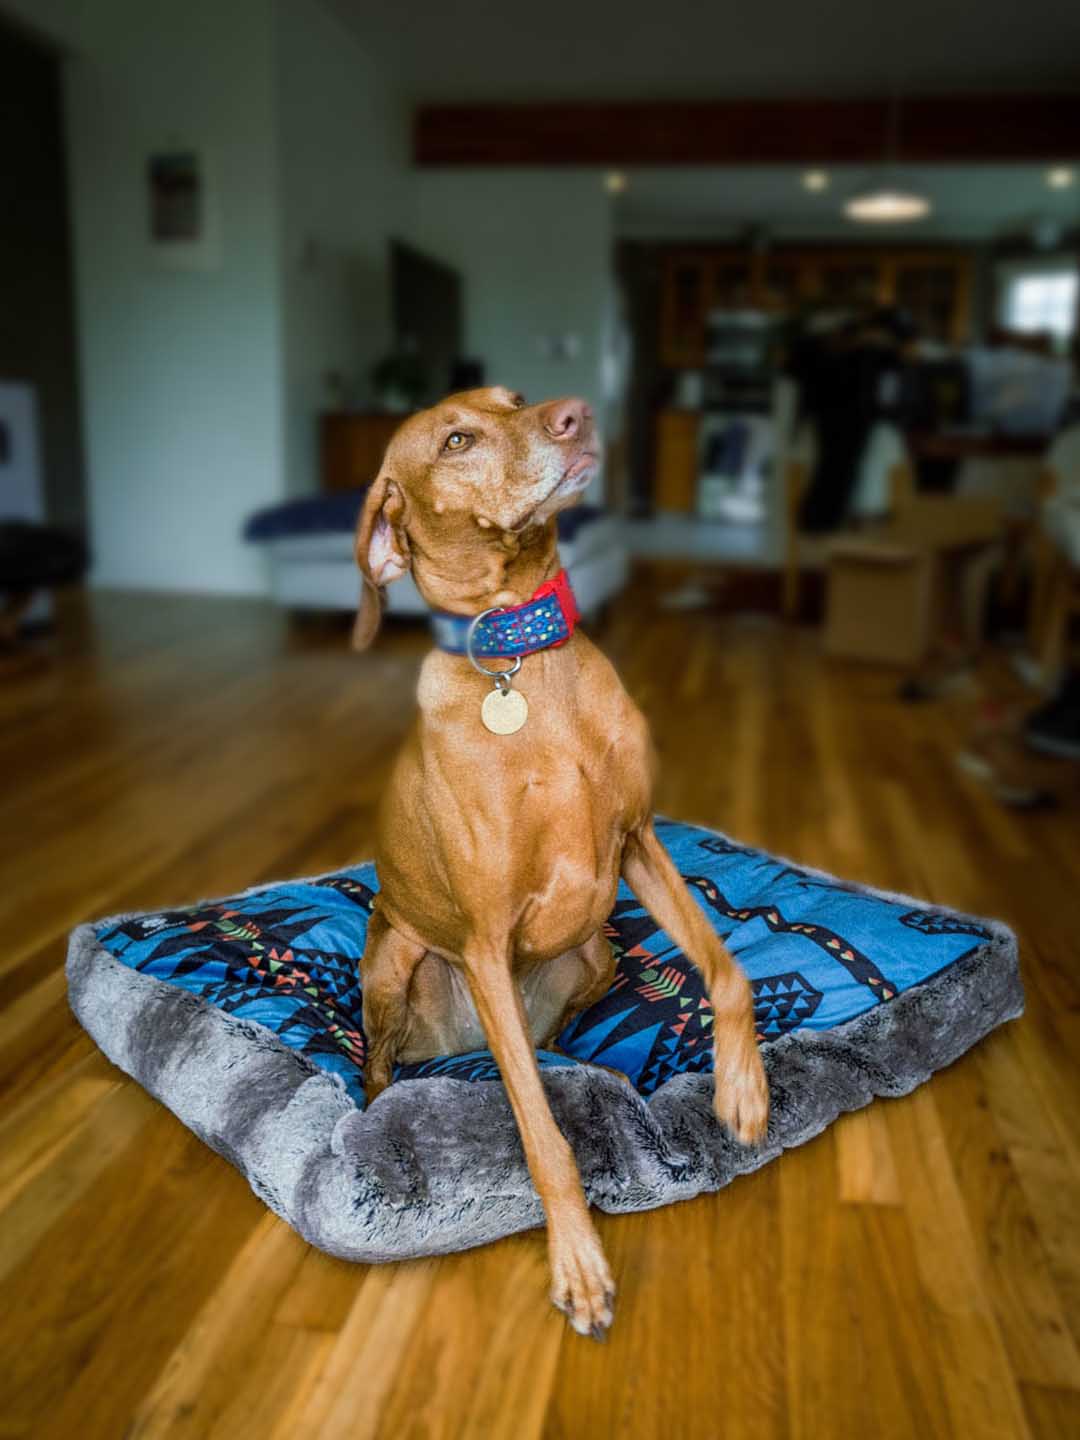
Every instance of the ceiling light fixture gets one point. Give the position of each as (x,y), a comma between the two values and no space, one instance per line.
(887,199)
(615,182)
(1060,177)
(886,202)
(815,180)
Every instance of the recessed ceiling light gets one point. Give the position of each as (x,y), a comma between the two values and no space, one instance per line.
(815,179)
(1060,177)
(887,203)
(615,182)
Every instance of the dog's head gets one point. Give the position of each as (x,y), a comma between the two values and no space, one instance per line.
(461,487)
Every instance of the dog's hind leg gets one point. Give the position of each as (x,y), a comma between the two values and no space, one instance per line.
(385,973)
(596,971)
(581,1283)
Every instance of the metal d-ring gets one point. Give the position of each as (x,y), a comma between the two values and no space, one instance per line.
(500,677)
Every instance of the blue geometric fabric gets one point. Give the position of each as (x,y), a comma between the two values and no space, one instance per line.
(817,952)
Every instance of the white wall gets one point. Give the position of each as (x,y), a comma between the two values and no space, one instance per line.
(181,371)
(534,247)
(201,389)
(343,143)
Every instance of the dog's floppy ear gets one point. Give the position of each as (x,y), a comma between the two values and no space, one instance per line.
(382,553)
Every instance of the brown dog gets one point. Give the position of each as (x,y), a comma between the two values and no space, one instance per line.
(499,854)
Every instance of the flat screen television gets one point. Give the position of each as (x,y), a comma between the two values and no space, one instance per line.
(427,314)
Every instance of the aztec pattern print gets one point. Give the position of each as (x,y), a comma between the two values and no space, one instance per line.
(817,952)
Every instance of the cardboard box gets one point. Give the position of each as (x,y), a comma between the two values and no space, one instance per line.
(890,588)
(879,601)
(948,523)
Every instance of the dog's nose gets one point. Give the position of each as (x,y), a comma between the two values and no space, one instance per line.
(564,419)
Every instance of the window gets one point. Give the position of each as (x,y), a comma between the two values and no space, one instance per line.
(1042,300)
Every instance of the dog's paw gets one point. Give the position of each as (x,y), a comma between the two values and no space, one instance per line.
(741,1101)
(581,1283)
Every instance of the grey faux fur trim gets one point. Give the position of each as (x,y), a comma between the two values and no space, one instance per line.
(436,1165)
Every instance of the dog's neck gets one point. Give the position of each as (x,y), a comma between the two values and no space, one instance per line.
(504,570)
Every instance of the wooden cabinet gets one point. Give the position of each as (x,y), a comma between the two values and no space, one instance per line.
(352,448)
(694,284)
(684,303)
(782,283)
(844,280)
(936,293)
(932,283)
(675,472)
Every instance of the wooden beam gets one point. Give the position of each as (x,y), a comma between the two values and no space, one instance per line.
(933,129)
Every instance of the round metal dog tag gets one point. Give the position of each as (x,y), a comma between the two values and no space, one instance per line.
(504,711)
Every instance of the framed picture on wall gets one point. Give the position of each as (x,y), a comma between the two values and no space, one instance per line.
(182,218)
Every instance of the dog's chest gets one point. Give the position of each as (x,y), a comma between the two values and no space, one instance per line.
(522,831)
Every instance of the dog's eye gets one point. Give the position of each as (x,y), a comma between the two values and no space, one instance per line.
(518,402)
(457,441)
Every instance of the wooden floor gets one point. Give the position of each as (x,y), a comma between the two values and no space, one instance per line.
(915,1271)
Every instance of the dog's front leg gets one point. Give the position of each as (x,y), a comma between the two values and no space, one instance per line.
(741,1097)
(581,1283)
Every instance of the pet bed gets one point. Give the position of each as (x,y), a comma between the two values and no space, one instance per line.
(243,1016)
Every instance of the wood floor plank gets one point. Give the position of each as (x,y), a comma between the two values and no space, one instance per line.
(904,1383)
(223,1344)
(513,1381)
(36,1206)
(347,1395)
(980,1385)
(34,1138)
(264,1386)
(696,1327)
(467,1363)
(1052,1414)
(319,1295)
(866,1169)
(1049,1182)
(108,1289)
(826,1365)
(1014,1265)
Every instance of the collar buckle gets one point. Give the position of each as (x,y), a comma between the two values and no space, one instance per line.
(501,677)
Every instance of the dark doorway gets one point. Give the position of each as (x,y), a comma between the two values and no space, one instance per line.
(37,304)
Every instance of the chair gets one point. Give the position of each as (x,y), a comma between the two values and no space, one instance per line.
(33,557)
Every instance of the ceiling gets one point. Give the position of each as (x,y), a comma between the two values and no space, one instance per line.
(975,202)
(639,49)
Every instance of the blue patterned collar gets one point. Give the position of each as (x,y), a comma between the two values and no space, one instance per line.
(546,620)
